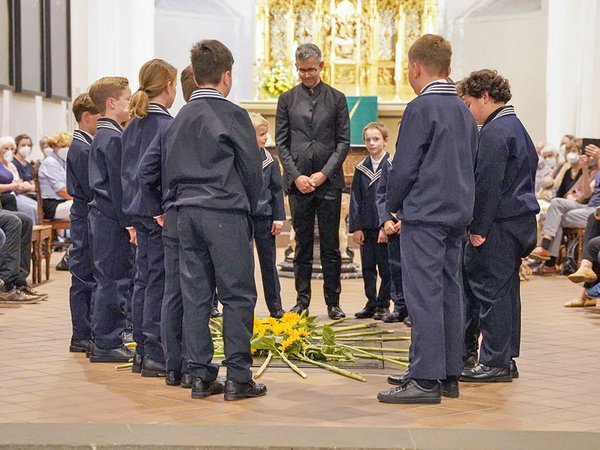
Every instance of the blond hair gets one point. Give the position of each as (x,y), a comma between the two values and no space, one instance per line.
(574,143)
(62,139)
(155,76)
(433,52)
(376,126)
(258,120)
(105,88)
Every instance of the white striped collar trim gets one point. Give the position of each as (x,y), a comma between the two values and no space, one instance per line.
(109,125)
(267,162)
(82,136)
(157,108)
(506,111)
(206,92)
(373,176)
(439,88)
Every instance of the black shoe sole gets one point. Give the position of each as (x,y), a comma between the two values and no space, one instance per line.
(451,394)
(172,383)
(152,373)
(108,359)
(77,349)
(186,385)
(514,375)
(503,379)
(136,369)
(407,401)
(234,397)
(204,394)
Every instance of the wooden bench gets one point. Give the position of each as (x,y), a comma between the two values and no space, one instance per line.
(41,234)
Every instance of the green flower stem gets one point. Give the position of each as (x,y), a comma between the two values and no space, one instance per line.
(264,365)
(364,354)
(383,349)
(331,368)
(373,339)
(293,366)
(355,327)
(364,333)
(333,322)
(124,366)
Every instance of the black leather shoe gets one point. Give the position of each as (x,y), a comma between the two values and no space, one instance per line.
(240,391)
(364,313)
(137,363)
(335,312)
(379,313)
(514,371)
(407,322)
(278,314)
(151,368)
(470,362)
(214,313)
(112,355)
(449,388)
(411,392)
(391,317)
(80,345)
(298,309)
(186,380)
(203,389)
(128,337)
(398,378)
(486,374)
(173,378)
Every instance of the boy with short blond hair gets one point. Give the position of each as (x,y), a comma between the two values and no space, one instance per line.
(111,230)
(431,189)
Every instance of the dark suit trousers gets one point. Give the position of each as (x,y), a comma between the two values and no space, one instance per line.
(326,205)
(374,259)
(81,266)
(140,283)
(216,252)
(395,263)
(265,247)
(430,261)
(15,255)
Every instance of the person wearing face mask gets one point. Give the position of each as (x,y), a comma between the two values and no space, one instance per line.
(8,185)
(546,164)
(56,201)
(562,148)
(567,179)
(25,190)
(24,147)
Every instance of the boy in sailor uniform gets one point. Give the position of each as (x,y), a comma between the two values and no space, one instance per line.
(268,219)
(364,223)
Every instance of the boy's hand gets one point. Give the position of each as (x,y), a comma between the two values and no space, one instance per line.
(160,220)
(276,228)
(382,237)
(318,178)
(305,184)
(476,240)
(132,236)
(390,227)
(358,237)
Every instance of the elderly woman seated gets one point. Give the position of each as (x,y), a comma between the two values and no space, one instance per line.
(13,189)
(56,201)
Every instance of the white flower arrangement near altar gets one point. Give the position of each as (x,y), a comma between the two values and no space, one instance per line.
(276,80)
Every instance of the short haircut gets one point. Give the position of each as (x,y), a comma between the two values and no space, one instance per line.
(155,75)
(433,52)
(489,81)
(7,140)
(258,120)
(376,126)
(308,51)
(574,143)
(188,85)
(62,139)
(460,87)
(210,59)
(43,141)
(22,137)
(105,88)
(83,103)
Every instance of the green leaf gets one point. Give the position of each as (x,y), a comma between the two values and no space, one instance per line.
(328,335)
(264,343)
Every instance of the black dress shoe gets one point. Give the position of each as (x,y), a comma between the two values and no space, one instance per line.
(278,314)
(391,317)
(486,374)
(203,389)
(450,388)
(173,378)
(128,337)
(411,392)
(379,313)
(240,391)
(112,355)
(398,378)
(186,380)
(365,313)
(335,312)
(514,371)
(151,368)
(298,309)
(407,321)
(214,313)
(137,363)
(80,345)
(470,362)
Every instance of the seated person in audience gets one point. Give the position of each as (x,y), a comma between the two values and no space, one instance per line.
(562,148)
(44,147)
(567,213)
(8,186)
(546,165)
(23,151)
(589,267)
(53,179)
(566,181)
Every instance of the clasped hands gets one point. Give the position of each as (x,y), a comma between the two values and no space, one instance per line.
(306,184)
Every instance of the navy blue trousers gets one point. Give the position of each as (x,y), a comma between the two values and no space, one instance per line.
(430,262)
(140,282)
(492,280)
(81,266)
(395,264)
(374,259)
(216,252)
(265,247)
(112,272)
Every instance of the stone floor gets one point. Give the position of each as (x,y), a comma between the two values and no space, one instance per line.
(41,382)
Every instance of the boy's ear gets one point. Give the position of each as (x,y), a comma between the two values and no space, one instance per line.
(416,69)
(110,103)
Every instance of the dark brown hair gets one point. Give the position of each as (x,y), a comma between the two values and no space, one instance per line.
(83,103)
(433,52)
(489,81)
(22,137)
(188,85)
(210,59)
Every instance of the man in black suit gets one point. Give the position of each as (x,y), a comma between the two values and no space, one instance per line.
(313,139)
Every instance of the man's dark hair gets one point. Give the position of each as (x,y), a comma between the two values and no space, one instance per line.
(488,81)
(210,59)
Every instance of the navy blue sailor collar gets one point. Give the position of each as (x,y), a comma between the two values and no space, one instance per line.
(506,110)
(157,108)
(439,87)
(83,136)
(109,124)
(206,93)
(366,167)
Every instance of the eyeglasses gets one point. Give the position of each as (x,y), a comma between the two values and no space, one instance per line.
(310,71)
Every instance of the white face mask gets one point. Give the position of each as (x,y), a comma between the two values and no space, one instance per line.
(62,153)
(550,162)
(572,158)
(9,156)
(25,151)
(48,152)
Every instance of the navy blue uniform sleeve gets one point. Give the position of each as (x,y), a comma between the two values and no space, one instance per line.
(79,169)
(149,175)
(380,195)
(342,139)
(276,188)
(283,138)
(354,219)
(247,156)
(411,146)
(490,167)
(112,157)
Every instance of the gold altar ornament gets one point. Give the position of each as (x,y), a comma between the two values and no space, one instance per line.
(364,42)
